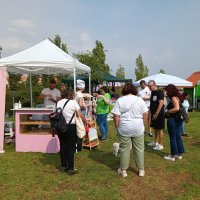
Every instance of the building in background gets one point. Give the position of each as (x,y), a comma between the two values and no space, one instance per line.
(194,91)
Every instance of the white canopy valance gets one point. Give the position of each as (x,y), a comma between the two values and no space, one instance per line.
(43,58)
(164,80)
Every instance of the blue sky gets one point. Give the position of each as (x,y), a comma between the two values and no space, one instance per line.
(165,33)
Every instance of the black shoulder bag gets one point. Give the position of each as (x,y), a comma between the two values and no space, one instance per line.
(58,122)
(181,115)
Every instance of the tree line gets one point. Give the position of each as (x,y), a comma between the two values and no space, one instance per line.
(95,59)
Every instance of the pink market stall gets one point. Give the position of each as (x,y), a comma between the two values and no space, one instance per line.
(33,133)
(3,80)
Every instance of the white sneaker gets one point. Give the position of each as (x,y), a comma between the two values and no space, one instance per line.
(152,144)
(158,147)
(141,172)
(122,172)
(179,157)
(169,157)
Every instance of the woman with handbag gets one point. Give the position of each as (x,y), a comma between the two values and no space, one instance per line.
(130,114)
(173,124)
(69,138)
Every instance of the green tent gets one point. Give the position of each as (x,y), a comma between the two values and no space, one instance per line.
(107,78)
(111,78)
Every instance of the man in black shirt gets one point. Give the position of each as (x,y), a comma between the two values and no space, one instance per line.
(157,115)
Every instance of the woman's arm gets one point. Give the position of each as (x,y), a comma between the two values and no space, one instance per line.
(175,102)
(116,120)
(107,101)
(80,102)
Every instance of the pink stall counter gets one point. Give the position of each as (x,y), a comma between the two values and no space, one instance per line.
(33,133)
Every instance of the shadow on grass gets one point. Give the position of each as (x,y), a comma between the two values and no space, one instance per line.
(106,158)
(51,159)
(150,150)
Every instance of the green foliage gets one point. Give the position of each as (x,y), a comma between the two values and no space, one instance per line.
(58,42)
(141,70)
(96,60)
(20,90)
(120,72)
(38,175)
(162,71)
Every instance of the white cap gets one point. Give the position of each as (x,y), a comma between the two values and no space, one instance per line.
(80,84)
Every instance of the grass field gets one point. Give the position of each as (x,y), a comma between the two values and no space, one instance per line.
(27,176)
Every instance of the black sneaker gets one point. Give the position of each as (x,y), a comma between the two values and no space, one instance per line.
(150,134)
(186,135)
(63,169)
(72,171)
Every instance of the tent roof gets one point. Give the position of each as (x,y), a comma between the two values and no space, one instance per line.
(164,80)
(43,58)
(107,77)
(194,78)
(111,78)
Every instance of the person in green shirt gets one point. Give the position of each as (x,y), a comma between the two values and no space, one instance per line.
(102,110)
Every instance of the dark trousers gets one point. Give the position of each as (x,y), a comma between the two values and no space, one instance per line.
(68,147)
(176,142)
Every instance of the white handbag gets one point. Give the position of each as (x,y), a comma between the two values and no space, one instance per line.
(80,128)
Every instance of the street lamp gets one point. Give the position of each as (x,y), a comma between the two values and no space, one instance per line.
(0,51)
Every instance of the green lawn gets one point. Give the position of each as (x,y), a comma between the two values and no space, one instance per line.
(37,176)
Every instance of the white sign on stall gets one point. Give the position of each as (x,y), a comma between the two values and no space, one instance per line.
(92,135)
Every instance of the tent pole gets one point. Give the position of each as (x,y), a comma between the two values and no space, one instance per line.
(74,77)
(194,100)
(31,94)
(89,82)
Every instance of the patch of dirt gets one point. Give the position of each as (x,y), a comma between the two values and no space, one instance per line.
(161,186)
(194,143)
(67,186)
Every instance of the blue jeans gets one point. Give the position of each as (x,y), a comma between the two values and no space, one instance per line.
(176,143)
(103,125)
(182,127)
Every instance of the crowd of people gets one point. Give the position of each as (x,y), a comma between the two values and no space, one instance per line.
(134,113)
(153,105)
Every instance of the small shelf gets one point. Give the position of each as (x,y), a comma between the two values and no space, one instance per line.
(35,122)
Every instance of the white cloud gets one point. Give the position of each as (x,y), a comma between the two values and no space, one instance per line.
(13,43)
(86,41)
(167,55)
(123,54)
(11,29)
(116,36)
(23,23)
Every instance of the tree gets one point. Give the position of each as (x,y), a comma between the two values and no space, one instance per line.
(120,72)
(96,61)
(141,70)
(162,71)
(58,42)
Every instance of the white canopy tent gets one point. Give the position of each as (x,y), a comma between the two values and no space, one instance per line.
(44,58)
(164,80)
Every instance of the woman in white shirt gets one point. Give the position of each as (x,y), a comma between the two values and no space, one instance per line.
(68,140)
(130,112)
(79,95)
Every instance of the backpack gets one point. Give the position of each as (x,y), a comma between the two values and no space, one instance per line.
(58,122)
(181,115)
